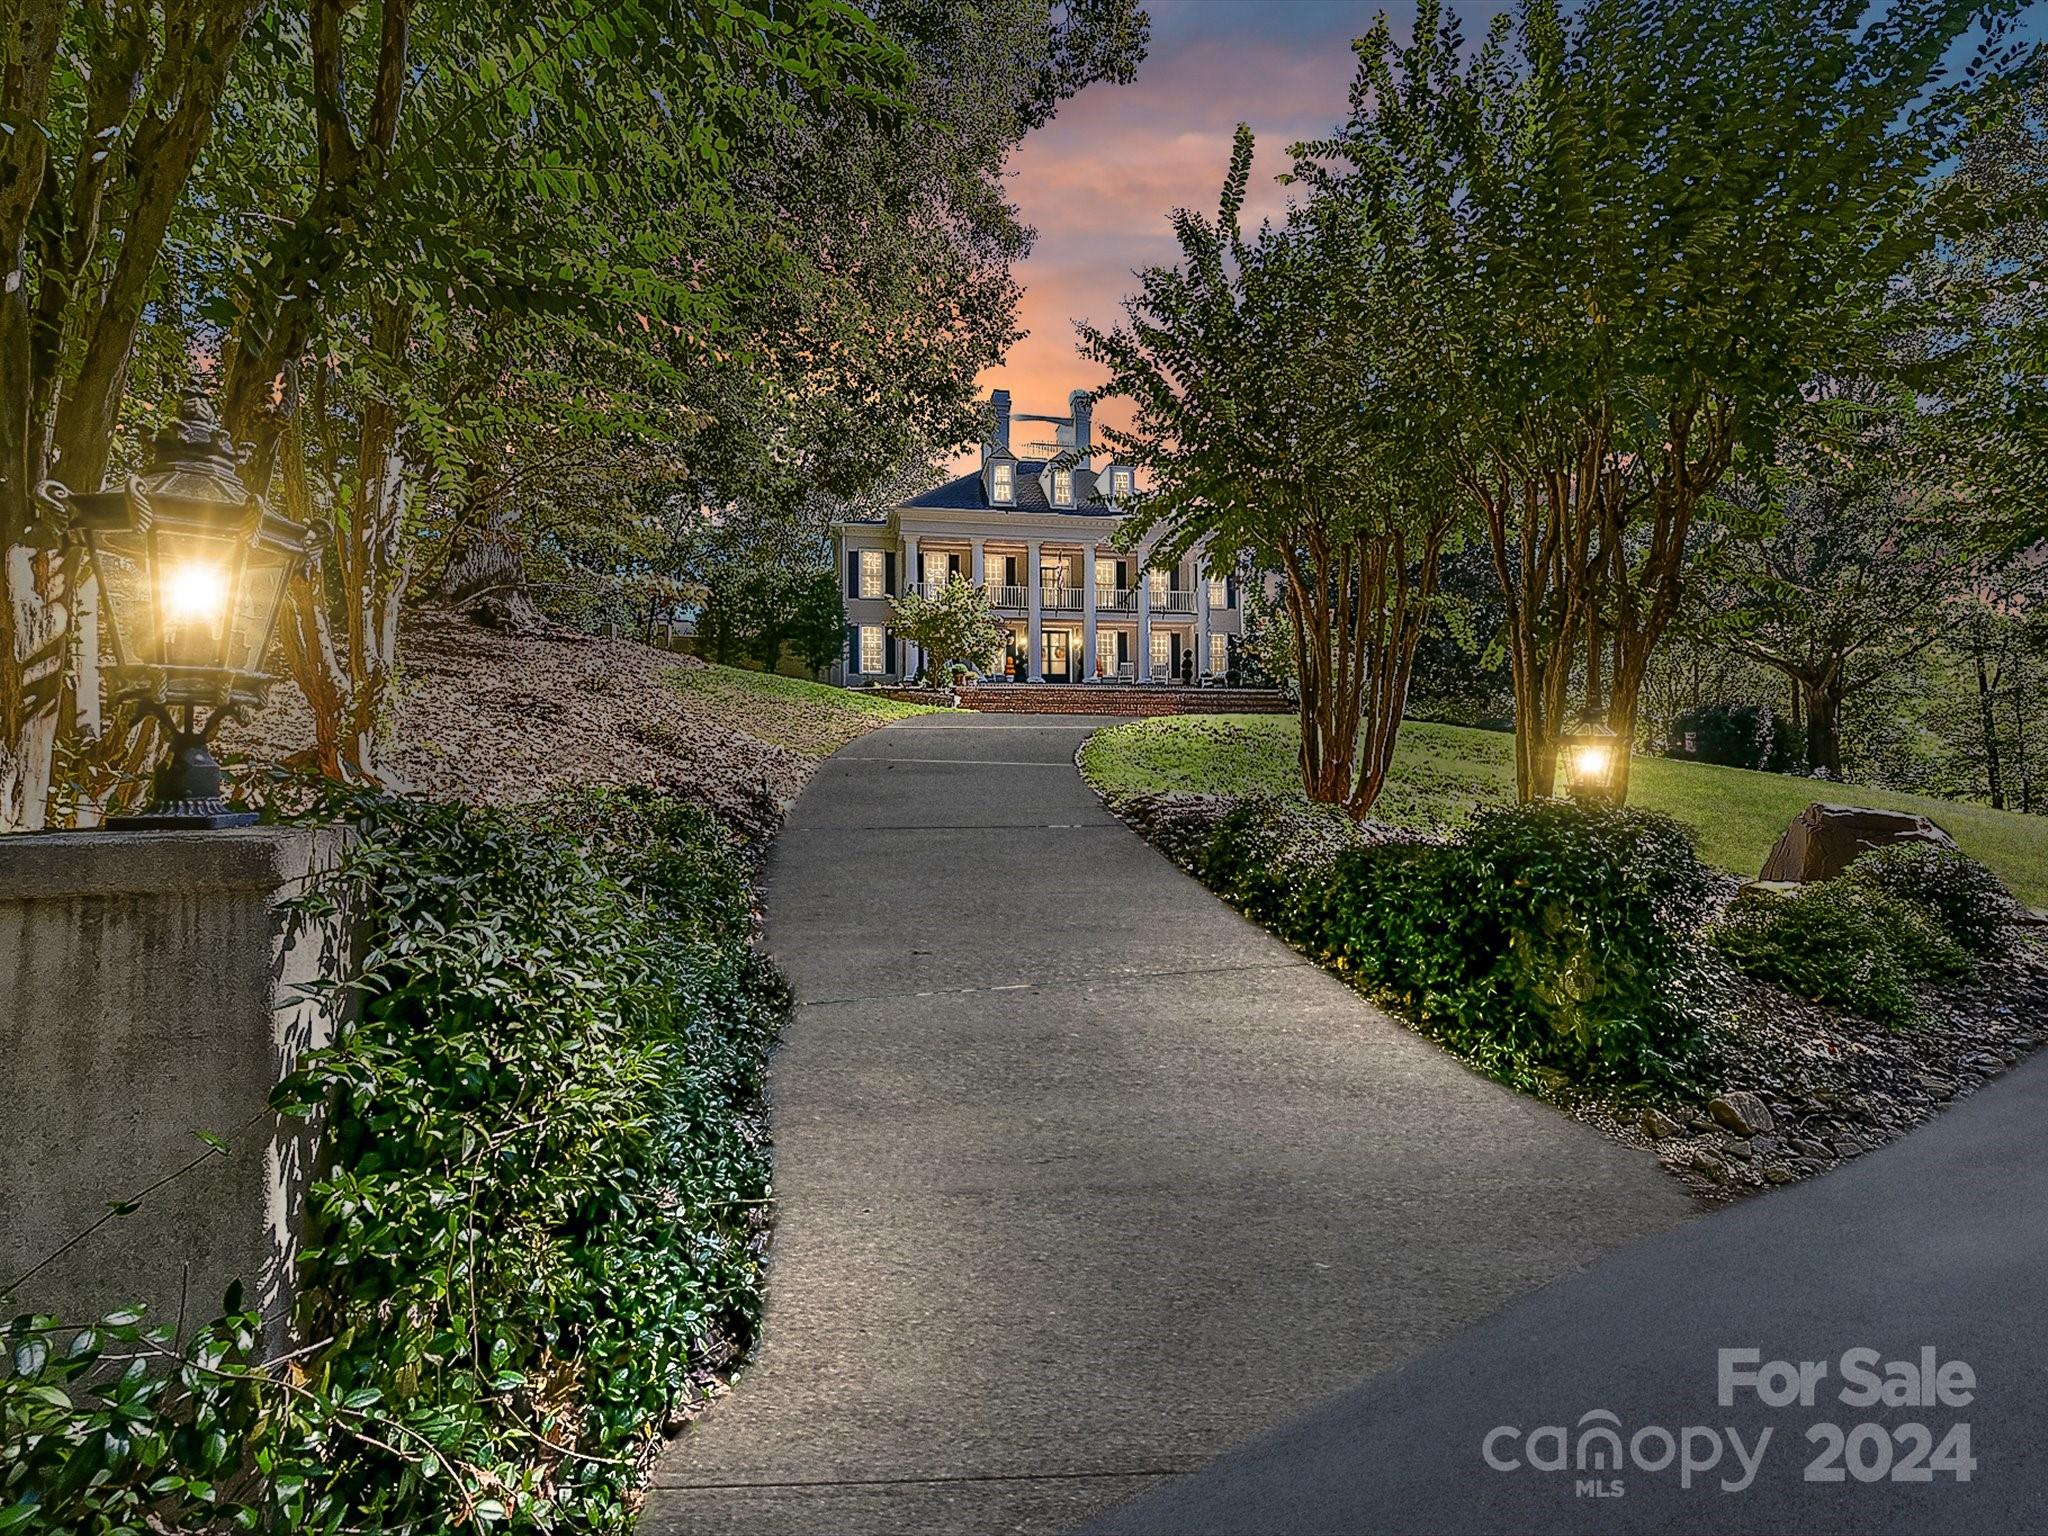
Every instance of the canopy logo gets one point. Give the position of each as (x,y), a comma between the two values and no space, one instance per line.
(1596,1445)
(1598,1450)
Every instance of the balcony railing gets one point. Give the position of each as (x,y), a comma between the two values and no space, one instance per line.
(1116,600)
(1172,601)
(1062,599)
(1000,596)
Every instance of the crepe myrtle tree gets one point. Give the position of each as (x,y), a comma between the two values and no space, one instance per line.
(1271,430)
(952,625)
(1643,229)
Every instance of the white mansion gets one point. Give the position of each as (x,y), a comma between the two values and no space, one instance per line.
(1035,528)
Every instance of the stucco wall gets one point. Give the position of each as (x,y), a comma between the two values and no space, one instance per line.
(149,991)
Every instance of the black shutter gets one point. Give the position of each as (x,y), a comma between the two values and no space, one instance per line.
(1230,591)
(852,649)
(853,573)
(889,572)
(889,651)
(952,565)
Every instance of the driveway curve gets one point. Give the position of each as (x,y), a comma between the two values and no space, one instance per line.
(1083,1179)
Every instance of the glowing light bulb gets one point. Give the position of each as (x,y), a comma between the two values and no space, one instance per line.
(195,601)
(195,594)
(1592,762)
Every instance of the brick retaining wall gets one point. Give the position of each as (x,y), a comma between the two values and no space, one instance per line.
(1122,699)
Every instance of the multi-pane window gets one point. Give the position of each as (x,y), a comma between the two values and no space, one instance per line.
(1219,654)
(1219,593)
(1063,487)
(872,581)
(1005,484)
(1159,584)
(1119,485)
(1162,652)
(937,569)
(872,659)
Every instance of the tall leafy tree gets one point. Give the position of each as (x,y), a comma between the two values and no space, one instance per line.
(1646,228)
(1844,562)
(1270,423)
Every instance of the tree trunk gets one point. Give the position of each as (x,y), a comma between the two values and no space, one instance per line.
(1823,695)
(1322,603)
(1398,605)
(348,683)
(1988,720)
(2019,736)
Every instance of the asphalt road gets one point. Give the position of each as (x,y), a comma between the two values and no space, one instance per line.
(1936,1243)
(1083,1179)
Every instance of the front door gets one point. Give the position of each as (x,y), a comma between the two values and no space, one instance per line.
(1055,655)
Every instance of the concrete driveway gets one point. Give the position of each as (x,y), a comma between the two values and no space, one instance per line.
(1938,1242)
(1083,1179)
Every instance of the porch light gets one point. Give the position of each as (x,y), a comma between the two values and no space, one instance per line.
(194,570)
(1589,757)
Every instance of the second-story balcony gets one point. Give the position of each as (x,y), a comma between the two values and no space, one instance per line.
(1001,596)
(1061,599)
(1173,600)
(1116,599)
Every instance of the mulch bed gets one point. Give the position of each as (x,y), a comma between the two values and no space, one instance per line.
(497,718)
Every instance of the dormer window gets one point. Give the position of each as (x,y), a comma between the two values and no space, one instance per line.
(1119,485)
(1003,484)
(1063,487)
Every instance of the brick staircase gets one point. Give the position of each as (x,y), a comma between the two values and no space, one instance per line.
(1122,699)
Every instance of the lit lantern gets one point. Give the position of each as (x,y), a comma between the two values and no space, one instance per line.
(193,569)
(1589,755)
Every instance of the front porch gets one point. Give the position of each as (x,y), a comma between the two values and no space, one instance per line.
(1129,699)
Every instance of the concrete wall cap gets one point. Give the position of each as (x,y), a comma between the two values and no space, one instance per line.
(55,866)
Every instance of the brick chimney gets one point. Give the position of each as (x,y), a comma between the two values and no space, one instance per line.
(1081,406)
(999,401)
(995,451)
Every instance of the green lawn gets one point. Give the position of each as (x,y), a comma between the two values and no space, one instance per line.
(1441,772)
(812,718)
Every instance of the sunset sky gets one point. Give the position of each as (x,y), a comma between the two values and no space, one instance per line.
(1099,181)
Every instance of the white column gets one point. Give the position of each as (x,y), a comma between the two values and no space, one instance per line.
(911,574)
(976,566)
(1088,614)
(1201,617)
(1034,576)
(1142,662)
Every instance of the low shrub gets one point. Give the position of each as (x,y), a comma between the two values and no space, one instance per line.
(1548,936)
(1845,942)
(545,1207)
(1963,898)
(1270,858)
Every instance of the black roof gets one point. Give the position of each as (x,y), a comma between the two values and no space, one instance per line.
(965,494)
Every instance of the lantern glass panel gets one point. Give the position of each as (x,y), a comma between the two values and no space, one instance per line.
(196,576)
(263,579)
(120,558)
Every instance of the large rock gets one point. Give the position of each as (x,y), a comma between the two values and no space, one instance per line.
(1823,839)
(1741,1112)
